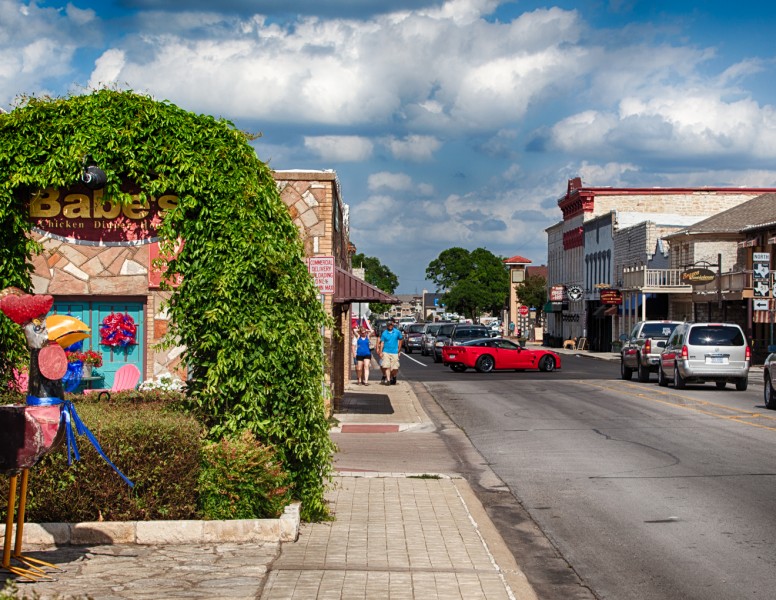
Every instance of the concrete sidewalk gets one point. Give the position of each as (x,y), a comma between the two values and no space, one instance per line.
(407,525)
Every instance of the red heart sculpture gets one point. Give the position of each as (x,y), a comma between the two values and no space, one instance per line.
(23,309)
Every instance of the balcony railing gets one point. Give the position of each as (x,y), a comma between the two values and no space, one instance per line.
(670,280)
(641,278)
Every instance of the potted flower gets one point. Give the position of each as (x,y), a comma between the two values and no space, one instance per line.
(87,360)
(91,359)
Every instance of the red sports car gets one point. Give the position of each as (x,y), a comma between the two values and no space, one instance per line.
(489,354)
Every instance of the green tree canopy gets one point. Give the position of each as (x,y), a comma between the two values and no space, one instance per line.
(379,276)
(533,292)
(246,309)
(472,282)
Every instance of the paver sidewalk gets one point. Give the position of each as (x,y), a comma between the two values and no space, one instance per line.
(393,538)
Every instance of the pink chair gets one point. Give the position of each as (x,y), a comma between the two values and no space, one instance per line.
(127,378)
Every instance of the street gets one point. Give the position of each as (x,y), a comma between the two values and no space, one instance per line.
(646,492)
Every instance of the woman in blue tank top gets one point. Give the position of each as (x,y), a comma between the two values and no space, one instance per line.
(363,356)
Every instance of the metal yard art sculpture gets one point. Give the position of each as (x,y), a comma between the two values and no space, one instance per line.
(28,432)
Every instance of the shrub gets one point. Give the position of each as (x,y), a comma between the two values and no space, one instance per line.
(157,449)
(242,479)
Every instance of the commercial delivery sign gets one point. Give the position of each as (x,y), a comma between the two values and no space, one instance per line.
(322,270)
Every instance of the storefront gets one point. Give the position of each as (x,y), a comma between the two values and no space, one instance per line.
(98,263)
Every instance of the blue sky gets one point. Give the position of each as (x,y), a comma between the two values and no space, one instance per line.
(450,123)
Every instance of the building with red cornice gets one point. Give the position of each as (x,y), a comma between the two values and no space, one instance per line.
(581,250)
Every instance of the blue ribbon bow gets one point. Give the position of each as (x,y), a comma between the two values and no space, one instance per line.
(70,416)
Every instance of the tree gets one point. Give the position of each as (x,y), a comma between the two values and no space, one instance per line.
(473,282)
(378,275)
(246,310)
(533,292)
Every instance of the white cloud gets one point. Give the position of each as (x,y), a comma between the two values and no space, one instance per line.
(413,147)
(390,181)
(340,148)
(37,45)
(107,68)
(437,68)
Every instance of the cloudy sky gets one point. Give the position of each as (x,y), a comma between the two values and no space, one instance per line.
(449,123)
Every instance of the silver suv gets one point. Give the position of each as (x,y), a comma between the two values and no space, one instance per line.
(701,352)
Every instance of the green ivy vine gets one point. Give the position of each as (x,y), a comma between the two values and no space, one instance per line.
(245,310)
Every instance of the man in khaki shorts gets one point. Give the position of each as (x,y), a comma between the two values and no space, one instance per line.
(388,349)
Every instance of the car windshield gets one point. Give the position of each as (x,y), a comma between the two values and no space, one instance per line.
(658,330)
(415,328)
(470,333)
(716,335)
(445,329)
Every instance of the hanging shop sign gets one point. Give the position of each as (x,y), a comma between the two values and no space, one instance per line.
(79,215)
(698,276)
(610,296)
(575,292)
(556,293)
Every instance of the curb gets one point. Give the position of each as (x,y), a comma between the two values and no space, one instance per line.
(283,529)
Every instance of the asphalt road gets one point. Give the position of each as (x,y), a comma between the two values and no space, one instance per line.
(646,492)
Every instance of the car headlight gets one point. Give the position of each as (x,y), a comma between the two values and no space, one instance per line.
(440,344)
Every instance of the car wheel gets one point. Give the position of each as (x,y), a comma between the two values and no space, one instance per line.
(679,382)
(408,350)
(769,394)
(662,380)
(742,384)
(437,358)
(720,384)
(485,363)
(458,368)
(643,373)
(625,372)
(547,364)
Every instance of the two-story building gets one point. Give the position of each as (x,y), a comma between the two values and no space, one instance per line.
(607,234)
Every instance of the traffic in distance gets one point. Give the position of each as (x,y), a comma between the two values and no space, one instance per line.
(677,352)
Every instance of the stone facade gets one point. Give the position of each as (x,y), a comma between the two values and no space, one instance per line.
(315,205)
(108,274)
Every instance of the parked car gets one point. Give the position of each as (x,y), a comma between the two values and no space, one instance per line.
(464,333)
(769,374)
(442,338)
(429,337)
(413,337)
(641,349)
(701,352)
(492,354)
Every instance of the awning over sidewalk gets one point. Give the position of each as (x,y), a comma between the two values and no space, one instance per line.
(349,288)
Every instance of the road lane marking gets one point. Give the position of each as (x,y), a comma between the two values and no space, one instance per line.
(693,404)
(415,360)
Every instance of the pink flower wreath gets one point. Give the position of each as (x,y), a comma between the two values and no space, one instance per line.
(118,330)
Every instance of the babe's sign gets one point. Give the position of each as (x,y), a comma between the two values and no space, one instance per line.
(82,216)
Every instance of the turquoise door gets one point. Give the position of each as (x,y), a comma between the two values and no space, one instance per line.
(113,357)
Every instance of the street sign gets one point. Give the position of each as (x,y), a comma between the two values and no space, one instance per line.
(523,311)
(759,305)
(322,270)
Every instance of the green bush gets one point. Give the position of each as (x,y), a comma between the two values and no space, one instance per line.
(157,449)
(242,479)
(177,473)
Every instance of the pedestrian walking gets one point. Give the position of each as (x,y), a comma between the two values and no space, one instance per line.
(389,347)
(363,356)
